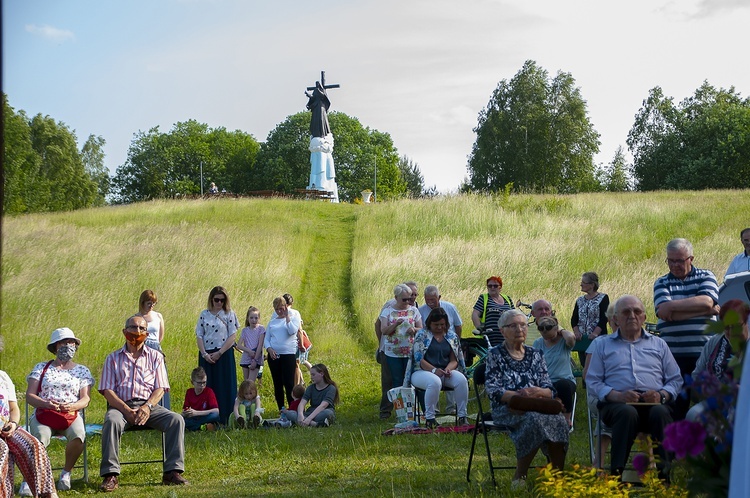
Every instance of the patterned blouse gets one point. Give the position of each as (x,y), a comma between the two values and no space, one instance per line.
(422,342)
(215,329)
(590,313)
(61,385)
(506,374)
(399,344)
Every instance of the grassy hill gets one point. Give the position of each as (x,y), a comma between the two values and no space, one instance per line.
(86,269)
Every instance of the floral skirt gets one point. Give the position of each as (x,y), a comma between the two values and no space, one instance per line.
(532,430)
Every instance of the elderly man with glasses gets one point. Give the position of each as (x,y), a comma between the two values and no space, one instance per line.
(685,299)
(133,381)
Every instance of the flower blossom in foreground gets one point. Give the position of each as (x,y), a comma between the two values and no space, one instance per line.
(684,437)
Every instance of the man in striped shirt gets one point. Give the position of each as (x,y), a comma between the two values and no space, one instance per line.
(685,300)
(133,381)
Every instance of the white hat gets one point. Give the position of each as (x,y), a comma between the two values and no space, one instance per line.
(60,335)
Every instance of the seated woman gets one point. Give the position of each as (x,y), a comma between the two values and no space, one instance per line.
(436,362)
(323,396)
(21,448)
(58,389)
(717,352)
(517,370)
(556,345)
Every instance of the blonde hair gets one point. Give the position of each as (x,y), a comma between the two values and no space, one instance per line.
(247,387)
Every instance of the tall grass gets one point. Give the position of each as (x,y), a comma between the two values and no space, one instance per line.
(86,269)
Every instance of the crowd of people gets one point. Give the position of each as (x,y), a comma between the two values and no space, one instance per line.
(135,385)
(634,378)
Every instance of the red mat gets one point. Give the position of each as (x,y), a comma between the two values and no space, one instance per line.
(462,429)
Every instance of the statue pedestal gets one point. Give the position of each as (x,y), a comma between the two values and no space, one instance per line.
(322,170)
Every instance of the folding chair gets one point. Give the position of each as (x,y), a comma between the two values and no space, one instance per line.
(85,464)
(163,443)
(420,404)
(484,425)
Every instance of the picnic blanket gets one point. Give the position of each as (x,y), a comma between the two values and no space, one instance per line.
(461,429)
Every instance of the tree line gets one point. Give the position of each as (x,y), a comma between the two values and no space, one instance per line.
(534,135)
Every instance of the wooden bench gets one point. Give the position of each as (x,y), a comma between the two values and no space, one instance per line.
(314,193)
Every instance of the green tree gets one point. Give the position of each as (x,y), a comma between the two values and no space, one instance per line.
(169,164)
(23,189)
(284,159)
(616,175)
(412,176)
(704,142)
(534,133)
(92,155)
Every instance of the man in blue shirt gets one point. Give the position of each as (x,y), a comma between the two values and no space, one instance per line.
(636,379)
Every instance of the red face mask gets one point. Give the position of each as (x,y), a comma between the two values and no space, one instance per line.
(135,339)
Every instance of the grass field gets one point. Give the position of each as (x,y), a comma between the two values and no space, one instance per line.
(86,269)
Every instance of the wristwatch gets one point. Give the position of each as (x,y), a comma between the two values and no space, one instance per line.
(663,397)
(434,370)
(151,407)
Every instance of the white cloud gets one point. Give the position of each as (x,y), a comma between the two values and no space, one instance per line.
(50,33)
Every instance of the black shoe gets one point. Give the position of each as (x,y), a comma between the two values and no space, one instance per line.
(431,423)
(463,421)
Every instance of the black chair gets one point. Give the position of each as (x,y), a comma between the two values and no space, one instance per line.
(137,428)
(419,393)
(484,423)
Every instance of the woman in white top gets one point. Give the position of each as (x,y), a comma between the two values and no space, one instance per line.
(155,324)
(399,323)
(215,334)
(281,346)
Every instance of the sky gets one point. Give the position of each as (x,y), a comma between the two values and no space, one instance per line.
(420,70)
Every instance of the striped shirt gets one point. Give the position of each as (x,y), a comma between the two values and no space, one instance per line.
(685,338)
(131,377)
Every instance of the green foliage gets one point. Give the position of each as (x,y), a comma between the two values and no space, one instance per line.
(43,170)
(169,164)
(535,133)
(704,142)
(616,175)
(284,159)
(412,176)
(92,155)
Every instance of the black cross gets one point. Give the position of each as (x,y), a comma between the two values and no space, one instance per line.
(323,82)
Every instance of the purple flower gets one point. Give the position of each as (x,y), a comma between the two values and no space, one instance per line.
(640,462)
(684,437)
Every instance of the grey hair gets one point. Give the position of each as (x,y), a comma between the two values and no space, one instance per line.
(610,311)
(506,317)
(410,284)
(622,298)
(431,290)
(592,278)
(137,315)
(401,289)
(680,245)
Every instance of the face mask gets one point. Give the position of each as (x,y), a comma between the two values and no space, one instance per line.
(135,339)
(66,352)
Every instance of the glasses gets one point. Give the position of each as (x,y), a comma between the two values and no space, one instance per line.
(518,326)
(677,261)
(219,299)
(137,327)
(492,286)
(546,328)
(150,304)
(406,299)
(200,382)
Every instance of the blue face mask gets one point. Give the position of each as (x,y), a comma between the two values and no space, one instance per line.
(66,352)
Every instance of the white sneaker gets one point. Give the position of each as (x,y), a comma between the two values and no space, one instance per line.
(24,490)
(64,483)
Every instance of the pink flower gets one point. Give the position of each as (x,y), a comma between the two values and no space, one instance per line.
(684,437)
(640,462)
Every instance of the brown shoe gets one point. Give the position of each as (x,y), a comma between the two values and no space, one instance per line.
(174,478)
(109,484)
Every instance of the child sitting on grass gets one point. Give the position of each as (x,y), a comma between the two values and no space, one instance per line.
(297,392)
(246,406)
(251,344)
(200,407)
(323,395)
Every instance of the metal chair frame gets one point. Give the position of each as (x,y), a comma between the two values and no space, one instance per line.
(85,455)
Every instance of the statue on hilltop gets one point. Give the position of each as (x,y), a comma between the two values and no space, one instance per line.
(322,171)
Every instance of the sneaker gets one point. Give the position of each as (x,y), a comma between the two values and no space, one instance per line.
(109,484)
(24,490)
(257,420)
(326,422)
(518,484)
(64,483)
(463,421)
(173,478)
(240,422)
(285,422)
(431,423)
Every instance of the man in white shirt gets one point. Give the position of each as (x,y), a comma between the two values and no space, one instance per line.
(741,262)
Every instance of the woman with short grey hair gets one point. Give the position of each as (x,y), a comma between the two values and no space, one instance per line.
(399,323)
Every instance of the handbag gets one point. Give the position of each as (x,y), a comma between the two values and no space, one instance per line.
(304,343)
(550,406)
(57,421)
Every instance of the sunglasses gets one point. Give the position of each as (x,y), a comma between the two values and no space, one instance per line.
(492,286)
(545,328)
(406,299)
(219,299)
